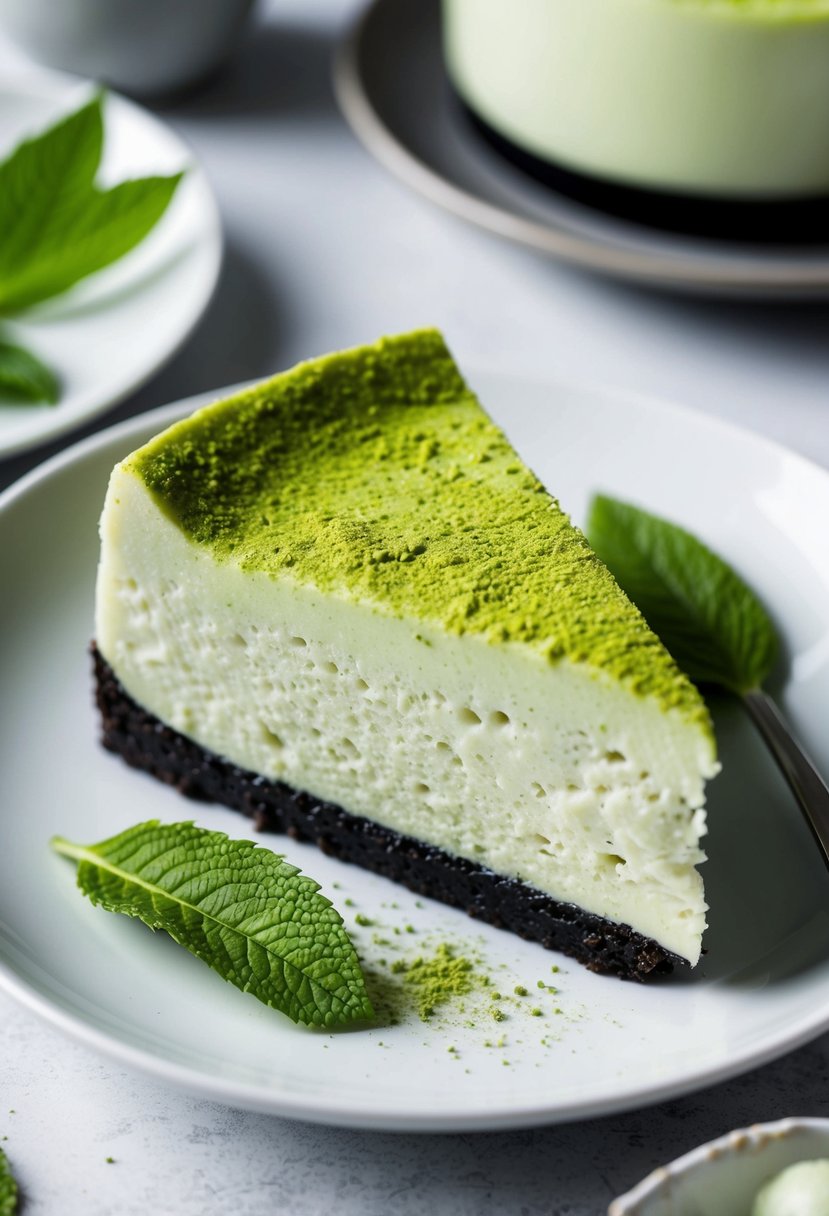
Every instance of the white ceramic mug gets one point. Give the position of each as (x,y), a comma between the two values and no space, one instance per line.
(138,46)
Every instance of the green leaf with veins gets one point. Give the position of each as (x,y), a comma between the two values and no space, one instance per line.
(56,225)
(241,909)
(24,379)
(710,621)
(8,1188)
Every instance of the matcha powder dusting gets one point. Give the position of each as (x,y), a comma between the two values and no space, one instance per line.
(436,980)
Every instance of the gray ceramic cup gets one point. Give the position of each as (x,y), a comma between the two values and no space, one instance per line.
(146,47)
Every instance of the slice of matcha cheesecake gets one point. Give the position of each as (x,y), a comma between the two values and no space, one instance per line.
(340,603)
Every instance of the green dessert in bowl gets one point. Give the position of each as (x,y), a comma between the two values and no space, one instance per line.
(800,1190)
(768,1169)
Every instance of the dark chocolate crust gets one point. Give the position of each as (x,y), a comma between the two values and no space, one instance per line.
(146,743)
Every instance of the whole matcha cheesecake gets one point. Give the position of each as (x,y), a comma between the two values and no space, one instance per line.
(705,101)
(340,603)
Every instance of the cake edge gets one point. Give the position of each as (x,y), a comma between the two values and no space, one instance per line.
(145,742)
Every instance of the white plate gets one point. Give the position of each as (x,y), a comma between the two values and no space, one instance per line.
(763,987)
(109,334)
(392,88)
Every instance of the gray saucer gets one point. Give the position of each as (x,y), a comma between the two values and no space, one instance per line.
(393,90)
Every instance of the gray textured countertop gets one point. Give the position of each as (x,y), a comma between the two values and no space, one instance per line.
(181,1156)
(325,250)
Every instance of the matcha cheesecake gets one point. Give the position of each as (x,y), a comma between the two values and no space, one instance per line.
(340,603)
(708,100)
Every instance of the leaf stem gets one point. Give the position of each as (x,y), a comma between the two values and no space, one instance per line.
(67,849)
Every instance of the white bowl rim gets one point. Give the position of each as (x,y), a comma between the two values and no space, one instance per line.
(650,1186)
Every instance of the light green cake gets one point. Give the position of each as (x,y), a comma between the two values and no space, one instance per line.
(345,579)
(720,98)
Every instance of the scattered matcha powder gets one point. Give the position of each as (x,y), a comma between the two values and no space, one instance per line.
(445,983)
(436,979)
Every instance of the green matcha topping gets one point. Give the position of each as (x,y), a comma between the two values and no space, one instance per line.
(375,474)
(758,13)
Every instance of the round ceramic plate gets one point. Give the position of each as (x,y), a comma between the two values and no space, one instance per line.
(762,988)
(393,90)
(109,334)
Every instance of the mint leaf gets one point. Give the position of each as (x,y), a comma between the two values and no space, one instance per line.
(56,225)
(43,173)
(238,907)
(8,1188)
(23,378)
(709,620)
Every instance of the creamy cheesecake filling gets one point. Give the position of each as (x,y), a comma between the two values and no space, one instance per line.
(553,773)
(728,98)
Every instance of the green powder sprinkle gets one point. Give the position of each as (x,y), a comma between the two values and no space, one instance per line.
(365,921)
(374,475)
(447,984)
(438,979)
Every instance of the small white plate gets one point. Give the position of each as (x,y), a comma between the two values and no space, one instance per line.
(109,334)
(393,90)
(762,988)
